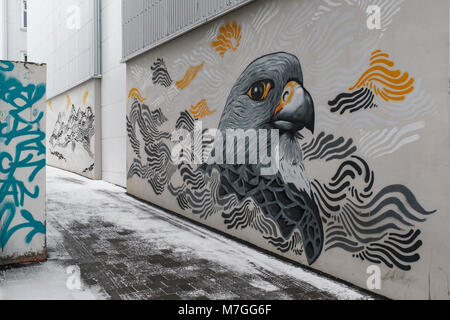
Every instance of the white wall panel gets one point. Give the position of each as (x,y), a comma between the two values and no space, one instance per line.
(149,23)
(71,50)
(113,95)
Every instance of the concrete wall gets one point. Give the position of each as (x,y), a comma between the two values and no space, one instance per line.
(22,162)
(74,130)
(361,188)
(113,95)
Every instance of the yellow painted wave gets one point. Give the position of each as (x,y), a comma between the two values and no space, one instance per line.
(385,81)
(229,38)
(134,93)
(201,110)
(69,102)
(190,75)
(86,95)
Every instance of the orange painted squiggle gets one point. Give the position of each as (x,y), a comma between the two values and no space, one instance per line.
(69,102)
(201,110)
(389,84)
(86,95)
(190,75)
(134,93)
(229,38)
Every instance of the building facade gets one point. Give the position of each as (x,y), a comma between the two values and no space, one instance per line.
(66,35)
(13,34)
(81,42)
(360,124)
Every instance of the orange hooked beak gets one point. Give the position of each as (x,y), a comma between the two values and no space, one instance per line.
(295,110)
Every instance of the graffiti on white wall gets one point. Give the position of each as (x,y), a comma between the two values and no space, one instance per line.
(22,157)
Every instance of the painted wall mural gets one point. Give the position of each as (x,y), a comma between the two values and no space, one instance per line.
(379,80)
(134,93)
(76,129)
(160,74)
(347,201)
(343,196)
(22,162)
(190,75)
(201,110)
(229,38)
(72,134)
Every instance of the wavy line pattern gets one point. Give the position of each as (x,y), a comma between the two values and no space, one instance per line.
(229,38)
(190,75)
(135,93)
(248,215)
(157,169)
(389,9)
(293,245)
(397,250)
(187,123)
(328,147)
(326,39)
(241,217)
(201,110)
(379,80)
(200,192)
(349,227)
(417,105)
(142,74)
(353,179)
(377,227)
(264,15)
(161,75)
(385,82)
(387,141)
(353,102)
(148,123)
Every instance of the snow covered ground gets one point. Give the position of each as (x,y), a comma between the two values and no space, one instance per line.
(45,281)
(95,224)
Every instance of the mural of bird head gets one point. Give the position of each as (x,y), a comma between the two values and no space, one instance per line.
(270,95)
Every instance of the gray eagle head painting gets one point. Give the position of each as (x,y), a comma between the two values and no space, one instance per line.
(270,95)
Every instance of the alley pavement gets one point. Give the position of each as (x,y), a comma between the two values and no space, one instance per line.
(127,250)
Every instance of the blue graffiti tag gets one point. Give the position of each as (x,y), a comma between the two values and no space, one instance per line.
(9,211)
(29,154)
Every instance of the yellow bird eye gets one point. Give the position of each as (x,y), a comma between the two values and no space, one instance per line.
(259,90)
